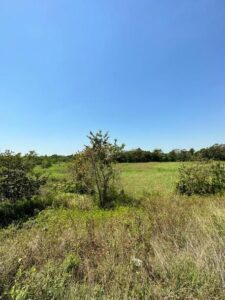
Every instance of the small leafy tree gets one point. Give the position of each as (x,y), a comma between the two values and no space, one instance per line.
(94,170)
(202,179)
(17,180)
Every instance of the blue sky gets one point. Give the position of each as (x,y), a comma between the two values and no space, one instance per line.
(152,73)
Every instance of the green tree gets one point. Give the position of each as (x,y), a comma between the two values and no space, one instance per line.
(94,167)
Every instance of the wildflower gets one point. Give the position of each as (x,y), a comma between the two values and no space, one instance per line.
(136,262)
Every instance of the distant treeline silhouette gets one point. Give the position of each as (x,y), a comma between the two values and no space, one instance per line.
(215,152)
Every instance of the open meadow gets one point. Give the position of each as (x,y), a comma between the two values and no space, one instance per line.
(112,150)
(160,246)
(140,179)
(136,178)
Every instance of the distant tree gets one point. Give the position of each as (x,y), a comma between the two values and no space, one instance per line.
(192,151)
(46,162)
(30,160)
(215,152)
(16,178)
(173,155)
(157,155)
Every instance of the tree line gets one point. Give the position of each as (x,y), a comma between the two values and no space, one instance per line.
(215,152)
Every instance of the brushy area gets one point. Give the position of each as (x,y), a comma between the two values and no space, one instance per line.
(165,246)
(21,209)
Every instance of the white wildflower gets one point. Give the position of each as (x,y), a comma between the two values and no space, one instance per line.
(137,262)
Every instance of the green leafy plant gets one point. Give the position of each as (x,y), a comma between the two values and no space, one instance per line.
(17,180)
(201,178)
(93,169)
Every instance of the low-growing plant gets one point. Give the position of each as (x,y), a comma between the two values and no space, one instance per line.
(202,179)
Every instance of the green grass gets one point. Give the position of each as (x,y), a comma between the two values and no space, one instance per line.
(78,251)
(56,172)
(153,178)
(137,178)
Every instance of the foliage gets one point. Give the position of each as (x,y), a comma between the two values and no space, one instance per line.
(82,174)
(202,179)
(215,152)
(157,155)
(94,170)
(47,161)
(16,178)
(21,209)
(169,248)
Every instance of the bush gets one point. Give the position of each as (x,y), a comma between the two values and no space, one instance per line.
(82,178)
(201,179)
(21,209)
(117,197)
(17,180)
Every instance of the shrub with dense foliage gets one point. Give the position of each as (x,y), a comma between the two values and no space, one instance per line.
(21,209)
(202,179)
(17,180)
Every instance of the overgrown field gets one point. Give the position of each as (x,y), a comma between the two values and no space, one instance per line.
(162,246)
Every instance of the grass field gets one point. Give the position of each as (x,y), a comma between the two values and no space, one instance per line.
(137,178)
(165,247)
(149,178)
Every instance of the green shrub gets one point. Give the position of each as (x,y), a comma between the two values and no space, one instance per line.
(17,180)
(201,179)
(21,209)
(65,186)
(71,263)
(117,197)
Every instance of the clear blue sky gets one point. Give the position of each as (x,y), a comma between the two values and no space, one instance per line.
(151,72)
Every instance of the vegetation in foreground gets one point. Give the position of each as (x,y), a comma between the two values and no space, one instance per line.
(168,248)
(160,245)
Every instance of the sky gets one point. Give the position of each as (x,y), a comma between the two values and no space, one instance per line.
(151,72)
